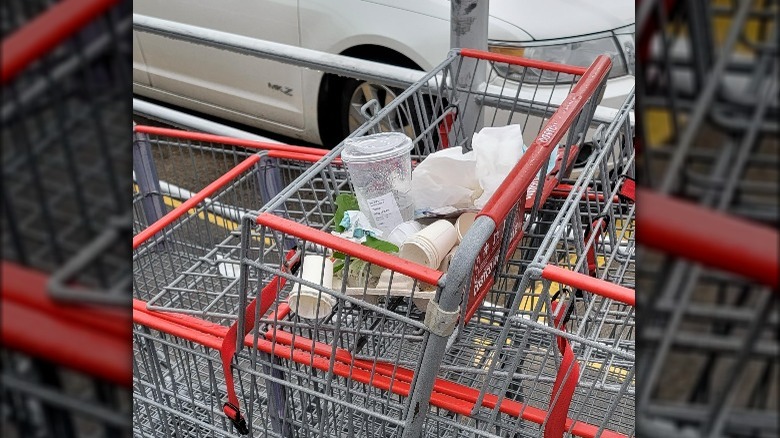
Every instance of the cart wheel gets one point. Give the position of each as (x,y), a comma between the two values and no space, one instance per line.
(340,99)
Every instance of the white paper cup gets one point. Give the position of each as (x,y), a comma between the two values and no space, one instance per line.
(359,273)
(430,245)
(445,264)
(464,222)
(310,303)
(403,232)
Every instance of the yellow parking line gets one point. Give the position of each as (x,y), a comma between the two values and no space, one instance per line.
(530,300)
(658,121)
(658,126)
(752,32)
(207,216)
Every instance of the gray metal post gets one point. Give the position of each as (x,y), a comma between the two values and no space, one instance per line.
(469,29)
(147,179)
(270,180)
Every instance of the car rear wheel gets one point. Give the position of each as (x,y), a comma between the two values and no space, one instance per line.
(342,99)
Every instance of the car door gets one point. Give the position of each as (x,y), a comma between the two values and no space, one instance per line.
(140,75)
(251,86)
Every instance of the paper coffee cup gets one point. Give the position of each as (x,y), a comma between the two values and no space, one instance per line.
(403,232)
(464,222)
(310,303)
(430,245)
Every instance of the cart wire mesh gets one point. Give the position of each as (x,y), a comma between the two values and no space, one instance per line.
(65,216)
(509,347)
(188,255)
(372,348)
(708,364)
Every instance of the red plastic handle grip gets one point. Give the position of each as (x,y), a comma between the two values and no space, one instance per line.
(706,236)
(590,284)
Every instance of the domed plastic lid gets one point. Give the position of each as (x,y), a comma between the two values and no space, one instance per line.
(376,147)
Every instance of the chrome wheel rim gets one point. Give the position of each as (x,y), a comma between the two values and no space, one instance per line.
(398,121)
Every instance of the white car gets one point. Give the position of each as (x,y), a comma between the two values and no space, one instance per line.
(313,106)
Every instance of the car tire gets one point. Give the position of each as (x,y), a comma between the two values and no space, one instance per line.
(338,96)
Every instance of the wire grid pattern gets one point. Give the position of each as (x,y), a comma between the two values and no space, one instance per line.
(426,112)
(313,202)
(732,136)
(379,329)
(41,399)
(314,402)
(175,158)
(192,264)
(178,387)
(61,170)
(333,397)
(709,339)
(62,124)
(507,349)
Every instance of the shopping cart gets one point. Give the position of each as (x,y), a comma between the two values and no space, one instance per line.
(551,349)
(171,166)
(708,352)
(371,366)
(64,143)
(177,380)
(190,247)
(187,254)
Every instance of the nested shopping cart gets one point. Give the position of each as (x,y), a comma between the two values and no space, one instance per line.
(374,365)
(65,216)
(194,190)
(709,279)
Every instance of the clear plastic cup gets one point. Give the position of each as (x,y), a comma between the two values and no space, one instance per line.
(380,168)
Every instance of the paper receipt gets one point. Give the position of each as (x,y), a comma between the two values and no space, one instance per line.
(385,211)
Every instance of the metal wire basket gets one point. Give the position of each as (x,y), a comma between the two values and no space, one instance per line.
(708,363)
(372,365)
(561,310)
(64,138)
(188,254)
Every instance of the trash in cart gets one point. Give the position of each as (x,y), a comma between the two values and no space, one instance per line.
(453,180)
(451,183)
(380,168)
(381,363)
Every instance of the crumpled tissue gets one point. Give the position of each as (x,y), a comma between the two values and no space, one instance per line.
(450,181)
(445,179)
